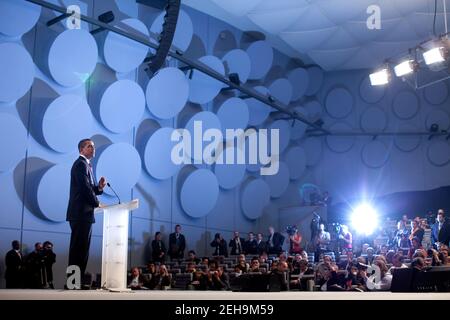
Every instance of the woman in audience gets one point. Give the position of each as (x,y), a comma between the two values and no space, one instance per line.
(379,281)
(415,245)
(164,278)
(294,241)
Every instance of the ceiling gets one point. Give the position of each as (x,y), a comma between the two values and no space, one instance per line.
(332,33)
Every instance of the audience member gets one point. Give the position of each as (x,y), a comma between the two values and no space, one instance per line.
(158,249)
(220,246)
(14,267)
(177,244)
(251,244)
(236,244)
(275,242)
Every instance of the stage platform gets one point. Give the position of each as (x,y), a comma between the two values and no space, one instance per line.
(13,294)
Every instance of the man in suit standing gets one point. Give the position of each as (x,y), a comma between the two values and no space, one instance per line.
(440,232)
(14,271)
(177,244)
(261,245)
(236,244)
(275,242)
(82,202)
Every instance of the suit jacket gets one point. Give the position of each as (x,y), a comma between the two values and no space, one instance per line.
(234,247)
(277,240)
(83,193)
(14,263)
(261,247)
(157,250)
(176,250)
(443,235)
(220,248)
(251,247)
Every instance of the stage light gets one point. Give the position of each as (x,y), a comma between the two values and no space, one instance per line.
(435,55)
(364,219)
(405,67)
(380,77)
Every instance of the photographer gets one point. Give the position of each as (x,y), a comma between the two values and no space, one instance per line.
(49,260)
(295,238)
(322,242)
(220,245)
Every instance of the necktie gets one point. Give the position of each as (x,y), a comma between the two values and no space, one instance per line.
(91,174)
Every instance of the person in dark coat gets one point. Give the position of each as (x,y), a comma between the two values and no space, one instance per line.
(14,267)
(158,249)
(275,242)
(49,261)
(220,246)
(440,232)
(236,244)
(177,244)
(82,202)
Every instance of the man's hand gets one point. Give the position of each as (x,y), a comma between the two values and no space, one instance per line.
(102,183)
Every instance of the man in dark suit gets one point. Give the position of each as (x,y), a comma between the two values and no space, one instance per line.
(261,245)
(440,232)
(82,202)
(275,242)
(177,244)
(14,263)
(250,245)
(236,244)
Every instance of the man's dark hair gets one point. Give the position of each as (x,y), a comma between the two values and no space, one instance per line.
(177,226)
(157,233)
(191,251)
(82,143)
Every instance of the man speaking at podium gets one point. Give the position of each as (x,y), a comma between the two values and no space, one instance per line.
(82,202)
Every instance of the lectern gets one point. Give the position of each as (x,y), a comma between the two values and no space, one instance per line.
(115,244)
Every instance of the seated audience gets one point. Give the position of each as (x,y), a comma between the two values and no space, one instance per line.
(137,281)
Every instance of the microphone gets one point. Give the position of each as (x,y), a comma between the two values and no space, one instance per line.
(113,191)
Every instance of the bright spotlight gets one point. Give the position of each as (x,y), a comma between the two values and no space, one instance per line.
(405,67)
(364,219)
(380,77)
(434,55)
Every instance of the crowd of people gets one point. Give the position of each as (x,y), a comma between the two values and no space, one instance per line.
(34,270)
(317,266)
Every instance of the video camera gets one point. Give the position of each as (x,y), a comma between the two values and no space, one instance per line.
(290,230)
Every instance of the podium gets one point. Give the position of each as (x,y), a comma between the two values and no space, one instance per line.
(115,244)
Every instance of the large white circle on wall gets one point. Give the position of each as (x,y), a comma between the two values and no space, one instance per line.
(72,57)
(203,88)
(199,124)
(281,90)
(67,120)
(161,100)
(406,105)
(14,135)
(233,114)
(340,144)
(255,197)
(278,182)
(407,143)
(183,33)
(314,109)
(296,161)
(439,153)
(375,154)
(123,54)
(299,128)
(122,106)
(158,154)
(258,111)
(199,193)
(315,75)
(17,71)
(438,117)
(373,119)
(284,133)
(314,148)
(229,175)
(437,93)
(120,164)
(17,17)
(339,103)
(261,58)
(299,79)
(237,61)
(55,184)
(369,93)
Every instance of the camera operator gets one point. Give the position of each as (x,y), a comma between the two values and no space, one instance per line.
(322,242)
(295,238)
(49,259)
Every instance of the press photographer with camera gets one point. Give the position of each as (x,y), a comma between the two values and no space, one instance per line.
(295,238)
